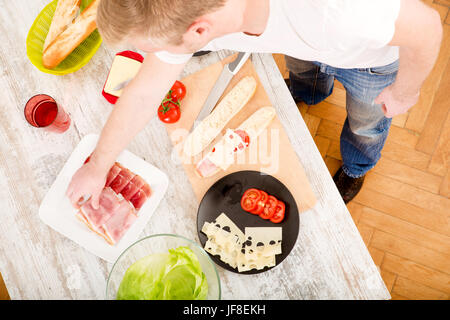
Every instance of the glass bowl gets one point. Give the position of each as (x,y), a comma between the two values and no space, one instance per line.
(161,243)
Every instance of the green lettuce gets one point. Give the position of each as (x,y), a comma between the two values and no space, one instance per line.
(176,275)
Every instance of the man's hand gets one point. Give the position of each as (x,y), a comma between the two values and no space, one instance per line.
(134,109)
(395,102)
(88,181)
(418,34)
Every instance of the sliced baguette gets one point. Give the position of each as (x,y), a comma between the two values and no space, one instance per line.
(258,122)
(70,38)
(65,13)
(205,132)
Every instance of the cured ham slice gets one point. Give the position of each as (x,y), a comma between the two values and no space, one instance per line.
(112,219)
(206,168)
(132,187)
(122,179)
(122,219)
(108,204)
(100,231)
(124,194)
(141,196)
(112,174)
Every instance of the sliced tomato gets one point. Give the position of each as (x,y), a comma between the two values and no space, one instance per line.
(280,209)
(261,203)
(250,199)
(269,208)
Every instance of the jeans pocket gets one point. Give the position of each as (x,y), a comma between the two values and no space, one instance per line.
(299,66)
(384,70)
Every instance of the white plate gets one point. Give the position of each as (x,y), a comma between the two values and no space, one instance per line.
(57,211)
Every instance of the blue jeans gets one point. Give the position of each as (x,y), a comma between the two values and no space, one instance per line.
(366,128)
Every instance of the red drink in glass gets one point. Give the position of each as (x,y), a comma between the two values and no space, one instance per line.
(42,111)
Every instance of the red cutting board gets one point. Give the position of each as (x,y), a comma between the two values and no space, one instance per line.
(273,154)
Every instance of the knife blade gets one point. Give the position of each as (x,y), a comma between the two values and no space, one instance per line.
(221,84)
(122,84)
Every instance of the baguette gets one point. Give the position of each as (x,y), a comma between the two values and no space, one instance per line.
(65,13)
(205,132)
(70,38)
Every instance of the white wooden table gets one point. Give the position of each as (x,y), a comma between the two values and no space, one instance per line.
(329,261)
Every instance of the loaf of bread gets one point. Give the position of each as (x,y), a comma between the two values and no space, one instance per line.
(71,37)
(65,13)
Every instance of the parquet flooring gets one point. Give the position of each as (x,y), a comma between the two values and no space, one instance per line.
(403,210)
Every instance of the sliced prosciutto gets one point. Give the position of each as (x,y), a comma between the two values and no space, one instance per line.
(139,198)
(112,174)
(124,194)
(122,219)
(206,168)
(122,179)
(109,202)
(112,219)
(100,231)
(132,187)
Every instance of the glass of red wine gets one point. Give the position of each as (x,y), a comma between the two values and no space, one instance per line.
(42,111)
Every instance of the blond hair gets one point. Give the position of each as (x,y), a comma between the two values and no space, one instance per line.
(162,20)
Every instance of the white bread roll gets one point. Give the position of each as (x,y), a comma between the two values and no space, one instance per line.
(71,38)
(65,12)
(205,132)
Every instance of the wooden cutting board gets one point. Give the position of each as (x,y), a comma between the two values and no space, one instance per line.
(273,154)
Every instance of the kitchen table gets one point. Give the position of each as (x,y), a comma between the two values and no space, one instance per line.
(329,260)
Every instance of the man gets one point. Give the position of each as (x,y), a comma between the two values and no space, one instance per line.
(381,51)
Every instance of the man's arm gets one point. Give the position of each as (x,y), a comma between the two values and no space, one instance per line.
(418,34)
(137,105)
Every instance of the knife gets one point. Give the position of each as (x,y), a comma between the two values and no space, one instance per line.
(122,85)
(222,82)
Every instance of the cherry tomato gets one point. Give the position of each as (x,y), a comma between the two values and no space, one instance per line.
(250,199)
(261,203)
(169,112)
(178,91)
(269,208)
(280,209)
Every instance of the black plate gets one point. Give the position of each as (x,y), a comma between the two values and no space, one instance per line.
(225,196)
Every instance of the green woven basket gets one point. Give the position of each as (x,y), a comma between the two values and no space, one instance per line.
(36,38)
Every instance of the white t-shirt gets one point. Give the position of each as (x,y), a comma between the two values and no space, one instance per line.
(340,33)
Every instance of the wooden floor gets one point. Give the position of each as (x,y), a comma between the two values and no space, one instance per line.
(403,210)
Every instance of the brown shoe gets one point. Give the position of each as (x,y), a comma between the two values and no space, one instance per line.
(348,187)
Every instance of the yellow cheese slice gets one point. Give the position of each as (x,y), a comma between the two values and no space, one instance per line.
(122,69)
(262,242)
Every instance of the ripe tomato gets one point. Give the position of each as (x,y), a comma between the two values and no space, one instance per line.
(280,209)
(178,91)
(261,203)
(269,208)
(250,199)
(169,112)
